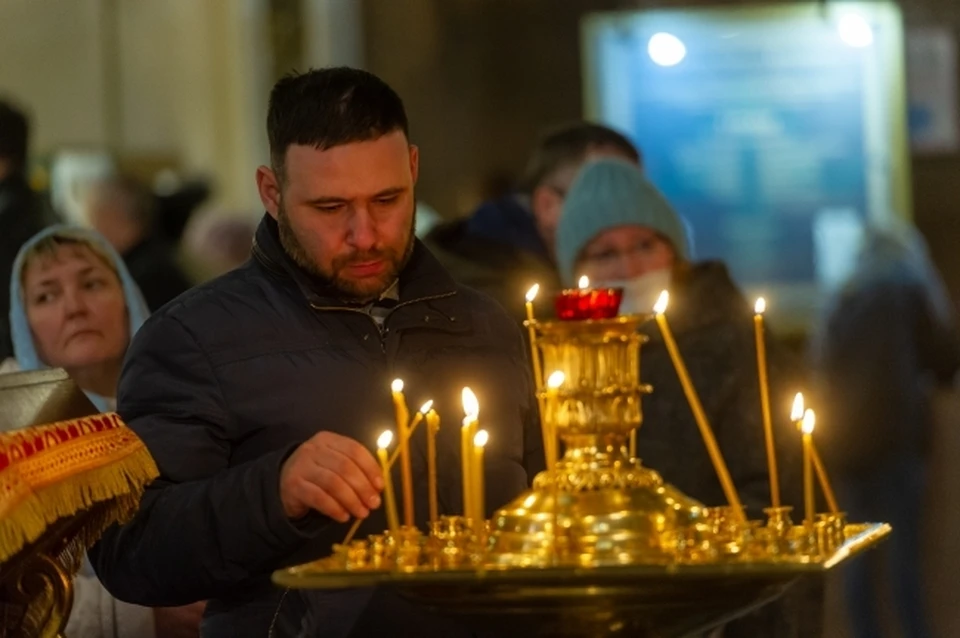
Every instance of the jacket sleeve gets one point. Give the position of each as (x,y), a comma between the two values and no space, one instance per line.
(203,527)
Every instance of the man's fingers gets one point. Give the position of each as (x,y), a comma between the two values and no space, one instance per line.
(319,500)
(335,485)
(361,456)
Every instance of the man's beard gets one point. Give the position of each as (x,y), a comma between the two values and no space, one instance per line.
(348,289)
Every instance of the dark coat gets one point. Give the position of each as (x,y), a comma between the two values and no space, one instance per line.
(498,251)
(226,381)
(713,327)
(21,217)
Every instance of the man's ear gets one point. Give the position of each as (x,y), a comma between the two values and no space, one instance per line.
(269,188)
(414,162)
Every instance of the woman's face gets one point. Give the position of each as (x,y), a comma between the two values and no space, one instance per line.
(623,253)
(76,308)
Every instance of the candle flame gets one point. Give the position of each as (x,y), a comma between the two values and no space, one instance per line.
(533,292)
(556,380)
(760,306)
(426,407)
(471,407)
(584,283)
(397,385)
(661,306)
(480,438)
(385,440)
(797,412)
(809,420)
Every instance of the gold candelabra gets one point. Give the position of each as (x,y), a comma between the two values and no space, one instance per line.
(596,515)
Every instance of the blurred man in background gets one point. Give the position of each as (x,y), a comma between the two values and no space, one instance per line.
(506,245)
(124,212)
(21,214)
(886,341)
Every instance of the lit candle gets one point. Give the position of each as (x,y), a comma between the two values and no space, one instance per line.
(479,496)
(586,303)
(382,444)
(706,432)
(809,420)
(765,402)
(471,408)
(411,429)
(797,416)
(538,371)
(406,472)
(554,382)
(433,426)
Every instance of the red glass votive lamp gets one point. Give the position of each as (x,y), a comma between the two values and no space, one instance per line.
(588,303)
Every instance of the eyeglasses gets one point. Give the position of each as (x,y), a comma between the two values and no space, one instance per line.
(612,256)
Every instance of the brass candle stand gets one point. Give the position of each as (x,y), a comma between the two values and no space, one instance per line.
(596,521)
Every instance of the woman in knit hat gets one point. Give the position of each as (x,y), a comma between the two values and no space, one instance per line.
(617,229)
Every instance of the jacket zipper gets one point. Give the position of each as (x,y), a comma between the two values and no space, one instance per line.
(382,327)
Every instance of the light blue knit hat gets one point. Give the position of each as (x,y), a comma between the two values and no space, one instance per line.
(612,192)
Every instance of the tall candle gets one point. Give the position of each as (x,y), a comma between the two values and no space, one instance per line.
(433,426)
(471,408)
(412,428)
(765,402)
(797,416)
(809,420)
(719,465)
(406,472)
(821,471)
(479,493)
(382,444)
(538,373)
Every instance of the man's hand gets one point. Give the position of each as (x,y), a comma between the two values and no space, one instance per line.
(179,622)
(332,474)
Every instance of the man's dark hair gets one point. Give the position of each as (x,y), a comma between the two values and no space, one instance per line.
(569,144)
(14,135)
(330,107)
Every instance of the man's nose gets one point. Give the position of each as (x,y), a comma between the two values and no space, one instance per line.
(363,231)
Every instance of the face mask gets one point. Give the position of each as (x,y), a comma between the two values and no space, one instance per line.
(641,293)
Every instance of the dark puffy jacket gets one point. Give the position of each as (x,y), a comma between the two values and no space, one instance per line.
(498,251)
(226,381)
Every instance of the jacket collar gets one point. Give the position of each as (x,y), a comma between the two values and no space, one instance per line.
(422,278)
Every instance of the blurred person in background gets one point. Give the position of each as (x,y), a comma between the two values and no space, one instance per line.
(506,245)
(21,214)
(885,341)
(217,241)
(124,212)
(75,306)
(618,230)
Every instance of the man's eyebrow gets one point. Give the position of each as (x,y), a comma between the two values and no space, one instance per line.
(328,201)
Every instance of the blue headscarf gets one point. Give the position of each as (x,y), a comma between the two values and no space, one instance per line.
(23,346)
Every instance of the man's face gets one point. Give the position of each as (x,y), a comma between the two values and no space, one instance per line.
(547,201)
(346,213)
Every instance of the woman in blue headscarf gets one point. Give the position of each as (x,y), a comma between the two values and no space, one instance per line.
(73,305)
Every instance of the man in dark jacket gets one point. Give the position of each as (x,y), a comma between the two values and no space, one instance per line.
(20,212)
(506,245)
(259,393)
(124,211)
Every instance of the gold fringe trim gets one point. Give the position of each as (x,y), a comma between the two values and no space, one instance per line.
(103,472)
